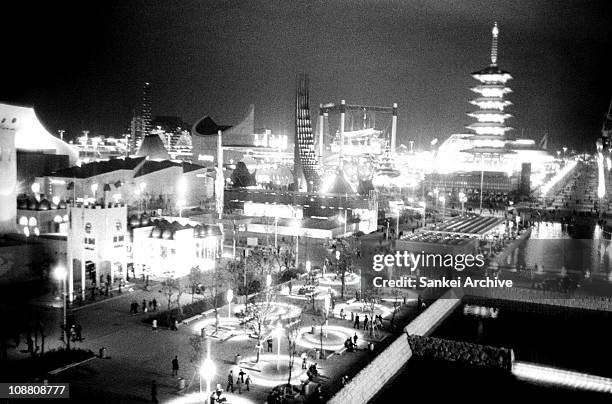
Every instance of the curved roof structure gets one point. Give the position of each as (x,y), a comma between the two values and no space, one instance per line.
(153,148)
(207,127)
(31,135)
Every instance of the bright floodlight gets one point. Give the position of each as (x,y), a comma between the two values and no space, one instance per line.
(442,199)
(308,265)
(36,187)
(182,185)
(59,273)
(422,204)
(55,200)
(268,280)
(461,195)
(337,255)
(230,295)
(94,187)
(208,369)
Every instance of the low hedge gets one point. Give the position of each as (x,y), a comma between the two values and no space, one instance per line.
(165,317)
(459,351)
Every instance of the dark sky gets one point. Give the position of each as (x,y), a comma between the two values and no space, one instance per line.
(83,68)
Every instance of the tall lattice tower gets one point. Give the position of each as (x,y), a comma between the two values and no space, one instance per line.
(305,161)
(145,109)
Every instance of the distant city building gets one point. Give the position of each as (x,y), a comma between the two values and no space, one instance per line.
(139,182)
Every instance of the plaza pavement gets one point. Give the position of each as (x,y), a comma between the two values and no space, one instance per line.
(139,355)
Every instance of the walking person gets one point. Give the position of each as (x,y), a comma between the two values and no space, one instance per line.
(304,356)
(269,340)
(230,381)
(175,366)
(154,392)
(356,324)
(248,382)
(241,375)
(355,339)
(365,322)
(144,305)
(239,385)
(154,304)
(78,332)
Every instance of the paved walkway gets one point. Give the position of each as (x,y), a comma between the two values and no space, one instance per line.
(139,355)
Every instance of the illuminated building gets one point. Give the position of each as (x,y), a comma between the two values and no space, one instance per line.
(489,149)
(162,249)
(94,148)
(152,148)
(142,183)
(96,246)
(362,137)
(26,149)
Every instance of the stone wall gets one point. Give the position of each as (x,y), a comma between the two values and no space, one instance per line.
(543,297)
(368,382)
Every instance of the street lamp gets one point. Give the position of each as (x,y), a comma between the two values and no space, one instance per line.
(443,200)
(296,225)
(94,190)
(182,189)
(279,332)
(207,371)
(436,191)
(462,199)
(230,296)
(60,275)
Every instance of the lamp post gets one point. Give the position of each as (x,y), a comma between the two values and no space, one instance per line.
(182,189)
(142,187)
(436,191)
(60,275)
(443,200)
(279,332)
(207,371)
(94,191)
(230,296)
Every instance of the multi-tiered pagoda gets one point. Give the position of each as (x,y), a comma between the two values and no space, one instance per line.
(490,116)
(490,140)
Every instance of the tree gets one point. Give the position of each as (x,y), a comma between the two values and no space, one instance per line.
(195,278)
(293,332)
(345,264)
(261,308)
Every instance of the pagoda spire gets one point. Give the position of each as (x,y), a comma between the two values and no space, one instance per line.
(495,33)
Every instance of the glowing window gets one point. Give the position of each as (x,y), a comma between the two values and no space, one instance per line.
(23,221)
(33,221)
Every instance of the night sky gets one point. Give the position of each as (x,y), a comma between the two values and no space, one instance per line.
(83,68)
